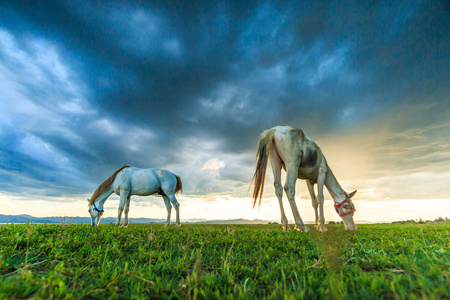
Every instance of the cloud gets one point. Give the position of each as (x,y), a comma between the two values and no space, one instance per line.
(143,32)
(39,99)
(88,88)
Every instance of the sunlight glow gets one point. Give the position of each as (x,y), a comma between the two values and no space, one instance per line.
(225,207)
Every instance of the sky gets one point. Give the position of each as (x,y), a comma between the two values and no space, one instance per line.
(89,86)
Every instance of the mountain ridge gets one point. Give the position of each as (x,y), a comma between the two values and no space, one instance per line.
(24,218)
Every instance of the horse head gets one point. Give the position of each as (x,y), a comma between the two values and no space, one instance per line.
(95,213)
(346,210)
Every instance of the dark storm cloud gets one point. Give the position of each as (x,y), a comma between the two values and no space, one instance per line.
(156,84)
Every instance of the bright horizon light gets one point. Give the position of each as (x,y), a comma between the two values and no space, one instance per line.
(89,88)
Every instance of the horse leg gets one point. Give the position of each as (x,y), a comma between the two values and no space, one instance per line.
(123,198)
(289,187)
(126,209)
(275,161)
(315,204)
(175,204)
(320,183)
(169,209)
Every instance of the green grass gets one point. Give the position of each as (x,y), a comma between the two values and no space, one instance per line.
(219,261)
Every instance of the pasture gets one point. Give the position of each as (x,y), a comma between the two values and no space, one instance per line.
(220,261)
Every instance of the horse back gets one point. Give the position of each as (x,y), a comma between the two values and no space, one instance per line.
(291,143)
(151,181)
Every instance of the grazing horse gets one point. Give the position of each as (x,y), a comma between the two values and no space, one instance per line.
(289,148)
(128,181)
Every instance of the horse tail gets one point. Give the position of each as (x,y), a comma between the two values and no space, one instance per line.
(105,185)
(179,186)
(262,156)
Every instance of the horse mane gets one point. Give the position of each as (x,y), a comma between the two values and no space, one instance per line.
(105,185)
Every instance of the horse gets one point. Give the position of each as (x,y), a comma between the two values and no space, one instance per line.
(290,149)
(128,181)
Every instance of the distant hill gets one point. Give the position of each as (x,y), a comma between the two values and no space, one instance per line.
(87,220)
(23,219)
(367,222)
(77,220)
(233,221)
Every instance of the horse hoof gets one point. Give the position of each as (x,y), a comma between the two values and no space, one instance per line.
(303,229)
(323,229)
(286,228)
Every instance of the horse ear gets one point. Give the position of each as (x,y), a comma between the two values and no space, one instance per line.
(352,194)
(88,199)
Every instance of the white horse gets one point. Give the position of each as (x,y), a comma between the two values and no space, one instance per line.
(128,181)
(289,148)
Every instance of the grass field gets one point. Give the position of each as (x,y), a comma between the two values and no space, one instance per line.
(220,261)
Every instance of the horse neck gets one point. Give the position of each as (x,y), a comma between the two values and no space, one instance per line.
(334,187)
(103,197)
